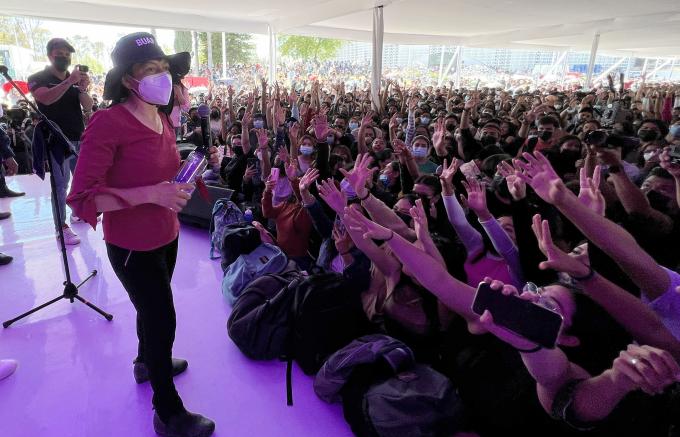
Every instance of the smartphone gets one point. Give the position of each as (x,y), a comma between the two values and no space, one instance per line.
(526,319)
(251,162)
(83,68)
(275,173)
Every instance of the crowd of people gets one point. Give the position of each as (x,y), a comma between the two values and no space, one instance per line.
(569,199)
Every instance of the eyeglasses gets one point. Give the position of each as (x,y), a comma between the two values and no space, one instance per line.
(543,300)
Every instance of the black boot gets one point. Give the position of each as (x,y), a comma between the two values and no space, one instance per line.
(5,259)
(6,192)
(142,373)
(184,425)
(5,215)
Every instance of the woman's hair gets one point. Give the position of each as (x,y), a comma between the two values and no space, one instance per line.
(431,181)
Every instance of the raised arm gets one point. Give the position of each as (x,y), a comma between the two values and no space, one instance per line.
(610,237)
(363,240)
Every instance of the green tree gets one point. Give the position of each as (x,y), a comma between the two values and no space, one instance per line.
(240,48)
(24,32)
(182,41)
(309,47)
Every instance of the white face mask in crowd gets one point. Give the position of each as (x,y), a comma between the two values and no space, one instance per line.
(155,89)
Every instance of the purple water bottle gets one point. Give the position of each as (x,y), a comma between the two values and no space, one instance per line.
(197,161)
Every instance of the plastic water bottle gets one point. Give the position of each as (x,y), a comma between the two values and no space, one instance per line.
(248,215)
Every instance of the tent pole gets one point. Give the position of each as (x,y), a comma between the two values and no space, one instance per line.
(591,61)
(459,66)
(643,73)
(441,67)
(224,55)
(447,70)
(376,64)
(194,45)
(210,55)
(614,66)
(670,73)
(272,54)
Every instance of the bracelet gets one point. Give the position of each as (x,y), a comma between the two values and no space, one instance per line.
(587,277)
(529,351)
(391,236)
(368,194)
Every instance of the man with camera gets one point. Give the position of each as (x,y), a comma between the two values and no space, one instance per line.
(63,97)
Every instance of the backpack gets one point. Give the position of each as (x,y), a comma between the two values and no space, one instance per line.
(237,239)
(327,315)
(259,323)
(385,393)
(265,259)
(225,212)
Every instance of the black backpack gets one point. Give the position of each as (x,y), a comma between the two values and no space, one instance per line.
(238,239)
(259,323)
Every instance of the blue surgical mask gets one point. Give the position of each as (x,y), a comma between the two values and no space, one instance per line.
(425,120)
(675,130)
(419,152)
(330,139)
(258,124)
(306,150)
(353,125)
(384,179)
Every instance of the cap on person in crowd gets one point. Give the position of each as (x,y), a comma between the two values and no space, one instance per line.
(58,43)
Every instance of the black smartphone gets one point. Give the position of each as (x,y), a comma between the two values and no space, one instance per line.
(251,162)
(526,319)
(83,68)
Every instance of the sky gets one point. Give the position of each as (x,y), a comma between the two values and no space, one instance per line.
(109,34)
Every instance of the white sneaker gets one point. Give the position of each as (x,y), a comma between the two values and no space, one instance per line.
(7,367)
(70,237)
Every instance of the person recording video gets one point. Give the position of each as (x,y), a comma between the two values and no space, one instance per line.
(128,156)
(63,98)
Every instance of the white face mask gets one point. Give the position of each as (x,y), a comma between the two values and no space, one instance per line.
(306,150)
(155,89)
(419,152)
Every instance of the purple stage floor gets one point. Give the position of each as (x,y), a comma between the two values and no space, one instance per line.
(75,368)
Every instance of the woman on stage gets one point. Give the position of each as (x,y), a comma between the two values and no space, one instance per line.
(127,159)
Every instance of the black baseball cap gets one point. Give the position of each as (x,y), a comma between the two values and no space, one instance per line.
(136,48)
(57,43)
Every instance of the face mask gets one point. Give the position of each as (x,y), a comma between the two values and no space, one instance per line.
(419,152)
(404,217)
(155,89)
(545,135)
(451,127)
(384,179)
(61,63)
(675,130)
(558,107)
(399,120)
(330,140)
(306,150)
(488,140)
(258,124)
(238,150)
(647,134)
(346,188)
(425,120)
(648,155)
(353,125)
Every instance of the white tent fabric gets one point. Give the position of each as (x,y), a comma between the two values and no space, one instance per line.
(626,27)
(376,61)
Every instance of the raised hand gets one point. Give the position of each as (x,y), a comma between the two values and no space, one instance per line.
(294,131)
(367,121)
(333,197)
(342,239)
(666,163)
(476,198)
(250,172)
(420,220)
(557,260)
(590,194)
(439,134)
(321,127)
(291,169)
(369,230)
(393,121)
(283,154)
(516,186)
(262,138)
(308,179)
(245,121)
(539,174)
(401,150)
(646,368)
(360,174)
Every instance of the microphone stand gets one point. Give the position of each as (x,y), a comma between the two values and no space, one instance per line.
(70,289)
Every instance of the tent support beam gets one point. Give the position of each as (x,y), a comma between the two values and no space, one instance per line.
(272,54)
(659,67)
(376,64)
(459,66)
(210,54)
(591,61)
(224,55)
(614,66)
(448,67)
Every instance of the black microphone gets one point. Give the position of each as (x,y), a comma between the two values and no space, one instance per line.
(204,113)
(3,71)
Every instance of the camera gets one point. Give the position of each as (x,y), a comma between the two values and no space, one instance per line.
(16,117)
(83,68)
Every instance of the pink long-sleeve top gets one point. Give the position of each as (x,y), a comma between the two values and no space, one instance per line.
(118,151)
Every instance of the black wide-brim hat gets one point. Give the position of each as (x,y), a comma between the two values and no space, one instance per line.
(136,48)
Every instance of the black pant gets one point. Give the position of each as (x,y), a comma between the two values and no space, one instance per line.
(146,278)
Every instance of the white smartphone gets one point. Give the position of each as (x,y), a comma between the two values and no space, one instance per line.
(275,173)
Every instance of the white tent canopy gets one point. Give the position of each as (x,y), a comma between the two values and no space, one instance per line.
(626,27)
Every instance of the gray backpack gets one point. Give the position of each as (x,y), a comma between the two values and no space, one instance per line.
(385,393)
